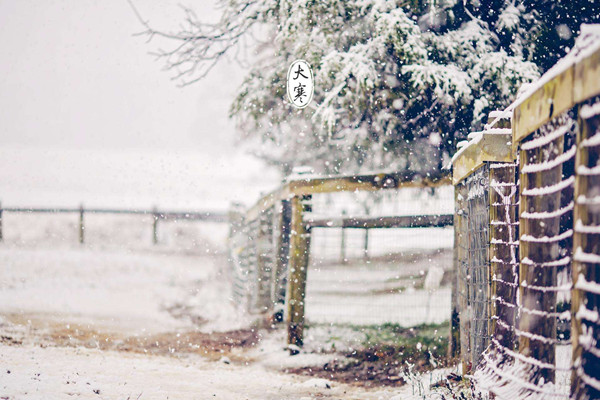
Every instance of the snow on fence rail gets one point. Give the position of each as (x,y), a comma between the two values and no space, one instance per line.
(327,248)
(542,254)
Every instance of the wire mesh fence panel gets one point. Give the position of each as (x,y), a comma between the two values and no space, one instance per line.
(113,231)
(251,255)
(265,260)
(239,251)
(478,268)
(533,359)
(461,266)
(586,259)
(379,275)
(504,272)
(473,268)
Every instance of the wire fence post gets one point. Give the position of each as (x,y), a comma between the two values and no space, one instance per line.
(298,268)
(155,217)
(81,225)
(343,258)
(366,245)
(1,232)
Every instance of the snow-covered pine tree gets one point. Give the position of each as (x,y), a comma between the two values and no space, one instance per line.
(397,83)
(541,31)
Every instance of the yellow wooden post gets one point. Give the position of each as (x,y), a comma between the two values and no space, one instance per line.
(297,272)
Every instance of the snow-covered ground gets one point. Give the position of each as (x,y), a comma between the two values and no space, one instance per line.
(75,314)
(54,373)
(118,295)
(69,313)
(115,290)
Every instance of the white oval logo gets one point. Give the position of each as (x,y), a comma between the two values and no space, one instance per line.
(300,84)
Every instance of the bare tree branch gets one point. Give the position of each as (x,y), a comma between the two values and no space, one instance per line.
(199,46)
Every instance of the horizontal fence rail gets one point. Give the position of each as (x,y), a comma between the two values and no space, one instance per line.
(405,221)
(173,215)
(156,214)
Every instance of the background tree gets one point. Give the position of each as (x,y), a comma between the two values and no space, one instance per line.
(397,83)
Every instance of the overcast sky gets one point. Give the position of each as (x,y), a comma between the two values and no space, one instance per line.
(73,75)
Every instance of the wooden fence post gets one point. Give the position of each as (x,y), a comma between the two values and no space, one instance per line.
(538,256)
(81,225)
(282,230)
(504,259)
(298,268)
(585,301)
(155,216)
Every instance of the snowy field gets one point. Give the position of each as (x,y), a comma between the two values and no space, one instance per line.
(120,317)
(42,253)
(106,290)
(142,179)
(65,315)
(69,314)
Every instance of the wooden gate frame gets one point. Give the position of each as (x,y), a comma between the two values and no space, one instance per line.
(295,195)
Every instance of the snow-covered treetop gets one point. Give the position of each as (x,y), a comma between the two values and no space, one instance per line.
(396,84)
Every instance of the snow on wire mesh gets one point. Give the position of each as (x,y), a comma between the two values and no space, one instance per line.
(379,275)
(534,362)
(473,276)
(251,258)
(360,275)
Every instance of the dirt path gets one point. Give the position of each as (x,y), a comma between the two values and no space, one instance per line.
(43,359)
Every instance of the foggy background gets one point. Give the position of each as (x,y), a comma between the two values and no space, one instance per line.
(87,115)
